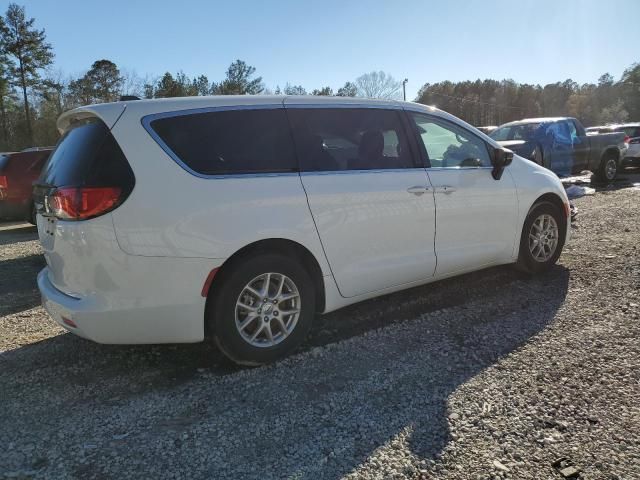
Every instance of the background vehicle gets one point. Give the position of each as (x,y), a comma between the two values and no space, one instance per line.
(595,129)
(239,217)
(632,139)
(562,145)
(17,173)
(487,129)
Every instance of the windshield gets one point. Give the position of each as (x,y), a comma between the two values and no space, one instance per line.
(521,131)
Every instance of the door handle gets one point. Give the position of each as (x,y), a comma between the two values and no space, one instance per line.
(446,189)
(418,189)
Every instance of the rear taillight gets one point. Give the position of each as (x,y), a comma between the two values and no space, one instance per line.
(82,203)
(3,181)
(627,138)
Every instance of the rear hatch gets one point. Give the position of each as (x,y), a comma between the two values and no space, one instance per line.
(86,177)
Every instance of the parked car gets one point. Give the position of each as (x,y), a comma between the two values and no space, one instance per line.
(488,129)
(17,172)
(562,145)
(594,130)
(632,139)
(240,217)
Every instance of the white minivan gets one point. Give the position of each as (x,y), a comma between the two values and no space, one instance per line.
(238,218)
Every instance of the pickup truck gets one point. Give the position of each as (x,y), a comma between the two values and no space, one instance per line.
(562,145)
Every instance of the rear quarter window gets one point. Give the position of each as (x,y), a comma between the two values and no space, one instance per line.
(228,141)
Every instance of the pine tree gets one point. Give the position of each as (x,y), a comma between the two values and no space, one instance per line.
(28,47)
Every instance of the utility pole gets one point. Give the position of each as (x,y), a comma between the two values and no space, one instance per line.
(404,89)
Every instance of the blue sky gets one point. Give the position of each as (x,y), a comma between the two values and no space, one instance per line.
(329,42)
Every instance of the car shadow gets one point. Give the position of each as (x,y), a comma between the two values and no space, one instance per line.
(18,288)
(25,233)
(326,410)
(626,178)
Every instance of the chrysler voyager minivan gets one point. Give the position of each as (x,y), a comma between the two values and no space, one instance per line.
(238,218)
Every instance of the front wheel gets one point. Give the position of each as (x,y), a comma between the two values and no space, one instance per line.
(542,238)
(262,309)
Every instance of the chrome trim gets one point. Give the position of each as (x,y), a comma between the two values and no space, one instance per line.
(353,172)
(386,170)
(458,168)
(146,124)
(342,105)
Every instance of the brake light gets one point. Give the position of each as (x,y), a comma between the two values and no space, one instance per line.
(82,203)
(627,138)
(3,181)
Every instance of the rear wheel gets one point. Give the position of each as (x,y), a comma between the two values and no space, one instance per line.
(33,215)
(542,238)
(608,169)
(262,309)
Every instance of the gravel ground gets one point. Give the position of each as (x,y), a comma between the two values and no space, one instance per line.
(490,375)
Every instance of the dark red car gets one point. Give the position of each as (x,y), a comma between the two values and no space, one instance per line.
(17,172)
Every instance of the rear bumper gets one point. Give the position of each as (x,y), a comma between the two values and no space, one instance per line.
(113,319)
(60,305)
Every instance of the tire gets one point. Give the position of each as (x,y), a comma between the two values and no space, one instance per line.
(527,260)
(231,298)
(33,215)
(608,169)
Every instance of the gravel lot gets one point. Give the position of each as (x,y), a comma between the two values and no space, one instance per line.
(490,375)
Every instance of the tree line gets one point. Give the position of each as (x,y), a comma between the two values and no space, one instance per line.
(33,94)
(492,102)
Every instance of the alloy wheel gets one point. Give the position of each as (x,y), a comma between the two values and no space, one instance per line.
(543,238)
(267,310)
(611,167)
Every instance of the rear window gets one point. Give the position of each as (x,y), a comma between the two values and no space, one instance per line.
(230,141)
(87,155)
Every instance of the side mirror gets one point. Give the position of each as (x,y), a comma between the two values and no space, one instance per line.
(501,158)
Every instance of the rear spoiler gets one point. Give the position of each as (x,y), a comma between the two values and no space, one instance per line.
(109,113)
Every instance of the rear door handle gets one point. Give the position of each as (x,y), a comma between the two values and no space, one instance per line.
(446,189)
(418,189)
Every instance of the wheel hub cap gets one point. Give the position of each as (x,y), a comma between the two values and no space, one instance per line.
(267,310)
(543,238)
